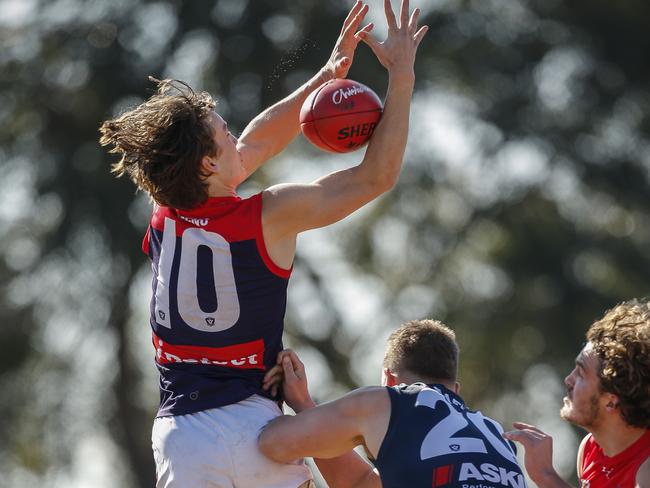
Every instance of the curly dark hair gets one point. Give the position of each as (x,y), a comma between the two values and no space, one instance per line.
(426,348)
(621,340)
(162,142)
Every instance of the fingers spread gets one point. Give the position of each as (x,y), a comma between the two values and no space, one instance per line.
(351,14)
(354,23)
(370,41)
(404,13)
(413,21)
(366,29)
(390,16)
(420,34)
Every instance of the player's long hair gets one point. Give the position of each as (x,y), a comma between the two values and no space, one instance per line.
(621,339)
(162,142)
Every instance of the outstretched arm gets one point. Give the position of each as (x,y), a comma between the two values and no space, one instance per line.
(290,209)
(272,130)
(538,455)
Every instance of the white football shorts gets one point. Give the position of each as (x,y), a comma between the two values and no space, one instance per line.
(217,448)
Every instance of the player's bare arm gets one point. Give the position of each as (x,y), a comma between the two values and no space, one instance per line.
(292,208)
(272,130)
(348,470)
(538,455)
(312,432)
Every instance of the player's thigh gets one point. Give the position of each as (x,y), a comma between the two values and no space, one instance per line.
(251,467)
(190,452)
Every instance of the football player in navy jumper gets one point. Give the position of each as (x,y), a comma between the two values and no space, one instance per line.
(416,429)
(221,263)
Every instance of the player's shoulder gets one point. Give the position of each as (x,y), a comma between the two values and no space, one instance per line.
(367,393)
(588,443)
(587,439)
(365,399)
(277,197)
(643,474)
(581,453)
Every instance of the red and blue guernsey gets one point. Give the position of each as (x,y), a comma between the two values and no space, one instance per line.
(218,303)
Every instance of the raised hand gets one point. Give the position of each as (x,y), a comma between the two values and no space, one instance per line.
(538,454)
(342,55)
(397,52)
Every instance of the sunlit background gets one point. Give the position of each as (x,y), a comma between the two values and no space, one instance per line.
(522,212)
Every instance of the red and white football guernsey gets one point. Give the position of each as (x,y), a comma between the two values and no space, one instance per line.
(218,303)
(599,470)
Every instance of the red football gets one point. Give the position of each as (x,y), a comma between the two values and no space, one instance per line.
(340,115)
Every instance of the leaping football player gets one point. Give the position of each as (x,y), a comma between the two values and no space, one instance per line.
(221,263)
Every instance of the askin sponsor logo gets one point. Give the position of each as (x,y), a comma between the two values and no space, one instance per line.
(199,222)
(344,93)
(470,476)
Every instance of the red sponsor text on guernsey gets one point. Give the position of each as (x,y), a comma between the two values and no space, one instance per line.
(248,355)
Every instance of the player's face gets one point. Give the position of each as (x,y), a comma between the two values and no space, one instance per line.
(229,164)
(583,402)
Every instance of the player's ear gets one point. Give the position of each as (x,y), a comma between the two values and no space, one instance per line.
(457,388)
(209,164)
(611,402)
(388,378)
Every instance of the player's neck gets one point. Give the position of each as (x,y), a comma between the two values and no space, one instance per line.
(217,189)
(616,436)
(410,378)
